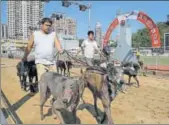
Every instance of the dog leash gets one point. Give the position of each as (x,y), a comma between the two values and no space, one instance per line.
(74,58)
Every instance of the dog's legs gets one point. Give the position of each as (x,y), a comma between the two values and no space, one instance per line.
(36,82)
(81,97)
(68,72)
(57,69)
(21,81)
(37,78)
(106,106)
(95,104)
(59,115)
(54,112)
(64,70)
(57,112)
(74,115)
(31,84)
(24,83)
(43,98)
(135,77)
(61,70)
(129,80)
(82,88)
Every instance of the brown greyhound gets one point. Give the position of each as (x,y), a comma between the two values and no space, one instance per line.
(103,83)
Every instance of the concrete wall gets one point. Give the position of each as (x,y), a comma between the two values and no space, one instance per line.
(70,44)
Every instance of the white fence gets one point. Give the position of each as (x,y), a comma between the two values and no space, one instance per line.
(12,54)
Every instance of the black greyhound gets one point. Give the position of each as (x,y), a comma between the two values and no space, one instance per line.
(22,73)
(63,65)
(32,74)
(27,69)
(131,69)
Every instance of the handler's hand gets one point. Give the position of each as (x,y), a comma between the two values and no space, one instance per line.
(24,59)
(61,51)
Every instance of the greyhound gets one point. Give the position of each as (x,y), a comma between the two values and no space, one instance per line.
(62,66)
(131,69)
(32,73)
(65,93)
(27,69)
(22,73)
(103,83)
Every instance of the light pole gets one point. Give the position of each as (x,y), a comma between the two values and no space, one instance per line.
(82,7)
(58,16)
(89,7)
(164,41)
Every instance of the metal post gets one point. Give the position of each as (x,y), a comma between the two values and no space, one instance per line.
(65,30)
(156,63)
(89,7)
(0,27)
(164,41)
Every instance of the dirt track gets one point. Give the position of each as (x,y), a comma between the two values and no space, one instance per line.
(148,104)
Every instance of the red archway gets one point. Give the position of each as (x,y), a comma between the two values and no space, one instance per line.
(141,17)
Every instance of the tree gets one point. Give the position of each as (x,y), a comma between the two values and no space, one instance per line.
(142,39)
(113,43)
(167,20)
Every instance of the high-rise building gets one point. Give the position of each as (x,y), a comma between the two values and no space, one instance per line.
(12,15)
(22,15)
(64,25)
(98,34)
(102,39)
(71,26)
(4,31)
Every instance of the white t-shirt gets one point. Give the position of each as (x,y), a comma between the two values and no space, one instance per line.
(89,48)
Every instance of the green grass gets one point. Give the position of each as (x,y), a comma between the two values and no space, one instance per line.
(151,60)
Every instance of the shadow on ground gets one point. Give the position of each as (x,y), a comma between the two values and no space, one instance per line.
(19,103)
(92,111)
(67,116)
(13,108)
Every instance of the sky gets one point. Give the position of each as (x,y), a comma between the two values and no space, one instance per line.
(103,12)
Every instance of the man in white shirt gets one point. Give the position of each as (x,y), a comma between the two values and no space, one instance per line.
(88,47)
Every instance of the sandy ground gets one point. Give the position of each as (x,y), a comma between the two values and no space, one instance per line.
(147,104)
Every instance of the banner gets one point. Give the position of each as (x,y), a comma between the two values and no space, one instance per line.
(109,31)
(151,26)
(143,18)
